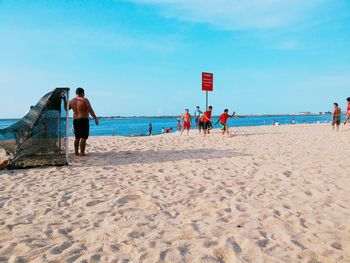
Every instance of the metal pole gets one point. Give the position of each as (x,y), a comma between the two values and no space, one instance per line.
(206,103)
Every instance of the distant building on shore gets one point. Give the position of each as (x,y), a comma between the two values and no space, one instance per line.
(305,113)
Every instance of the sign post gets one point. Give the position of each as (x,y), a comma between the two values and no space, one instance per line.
(207,85)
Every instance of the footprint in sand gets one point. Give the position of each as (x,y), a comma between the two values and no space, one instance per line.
(162,255)
(308,192)
(337,245)
(208,259)
(59,249)
(95,258)
(93,203)
(234,246)
(302,222)
(183,251)
(73,258)
(262,243)
(127,198)
(287,173)
(298,244)
(136,234)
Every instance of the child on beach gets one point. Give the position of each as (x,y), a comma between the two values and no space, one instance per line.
(223,121)
(179,124)
(186,118)
(336,116)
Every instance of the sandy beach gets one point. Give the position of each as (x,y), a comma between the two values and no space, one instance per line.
(267,194)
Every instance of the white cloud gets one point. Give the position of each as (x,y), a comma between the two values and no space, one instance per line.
(238,14)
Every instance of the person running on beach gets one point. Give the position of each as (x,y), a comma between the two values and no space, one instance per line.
(197,114)
(201,123)
(150,129)
(82,109)
(207,120)
(186,118)
(347,112)
(336,116)
(223,121)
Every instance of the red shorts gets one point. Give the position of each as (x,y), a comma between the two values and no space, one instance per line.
(187,125)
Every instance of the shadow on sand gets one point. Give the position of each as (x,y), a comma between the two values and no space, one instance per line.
(151,156)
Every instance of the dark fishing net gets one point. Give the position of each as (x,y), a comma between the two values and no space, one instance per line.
(40,137)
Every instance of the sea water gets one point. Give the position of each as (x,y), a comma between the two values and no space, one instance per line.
(139,126)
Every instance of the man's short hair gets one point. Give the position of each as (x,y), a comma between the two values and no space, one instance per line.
(348,99)
(79,91)
(335,104)
(210,107)
(197,107)
(226,110)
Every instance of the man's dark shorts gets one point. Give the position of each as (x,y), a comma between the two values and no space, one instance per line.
(336,121)
(201,125)
(206,125)
(81,128)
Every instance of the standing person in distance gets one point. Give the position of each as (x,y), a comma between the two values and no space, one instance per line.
(186,118)
(197,114)
(150,128)
(336,116)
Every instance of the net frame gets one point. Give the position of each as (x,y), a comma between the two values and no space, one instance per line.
(37,139)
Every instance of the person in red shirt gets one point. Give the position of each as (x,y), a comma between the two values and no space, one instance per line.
(223,121)
(347,112)
(204,121)
(207,120)
(186,118)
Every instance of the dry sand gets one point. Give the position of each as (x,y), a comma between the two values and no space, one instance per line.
(268,194)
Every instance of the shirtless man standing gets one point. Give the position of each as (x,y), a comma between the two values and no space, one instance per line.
(187,121)
(336,116)
(81,108)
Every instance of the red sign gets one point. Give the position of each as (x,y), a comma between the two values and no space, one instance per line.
(207,81)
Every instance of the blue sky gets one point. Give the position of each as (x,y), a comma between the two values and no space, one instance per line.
(145,57)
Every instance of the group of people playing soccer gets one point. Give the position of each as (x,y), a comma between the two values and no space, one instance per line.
(204,121)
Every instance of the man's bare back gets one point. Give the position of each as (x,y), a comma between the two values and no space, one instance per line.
(81,107)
